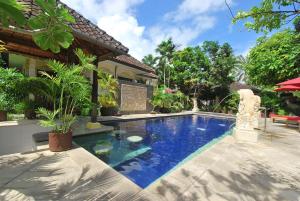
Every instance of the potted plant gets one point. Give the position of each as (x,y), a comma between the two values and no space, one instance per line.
(69,89)
(108,94)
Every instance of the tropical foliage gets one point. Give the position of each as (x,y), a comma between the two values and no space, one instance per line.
(11,10)
(10,84)
(109,90)
(271,14)
(238,72)
(190,69)
(166,100)
(50,27)
(204,72)
(68,89)
(150,60)
(274,59)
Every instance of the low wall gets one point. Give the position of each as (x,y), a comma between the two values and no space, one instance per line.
(16,136)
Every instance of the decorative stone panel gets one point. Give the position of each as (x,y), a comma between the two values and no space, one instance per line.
(133,98)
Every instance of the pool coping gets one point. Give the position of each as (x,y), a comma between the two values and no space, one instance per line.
(153,116)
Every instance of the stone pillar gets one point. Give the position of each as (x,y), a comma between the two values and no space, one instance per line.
(195,105)
(32,68)
(116,72)
(32,73)
(247,117)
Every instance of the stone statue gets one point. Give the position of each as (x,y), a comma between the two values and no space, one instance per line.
(248,116)
(195,105)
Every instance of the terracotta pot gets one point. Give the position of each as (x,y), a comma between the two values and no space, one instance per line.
(60,142)
(3,116)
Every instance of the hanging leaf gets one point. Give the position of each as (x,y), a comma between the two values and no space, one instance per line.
(11,10)
(51,26)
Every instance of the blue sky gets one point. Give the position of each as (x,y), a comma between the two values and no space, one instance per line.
(142,24)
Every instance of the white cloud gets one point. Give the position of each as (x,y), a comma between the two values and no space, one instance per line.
(117,18)
(126,29)
(190,8)
(182,33)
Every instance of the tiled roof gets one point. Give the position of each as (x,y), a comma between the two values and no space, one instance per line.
(82,25)
(129,60)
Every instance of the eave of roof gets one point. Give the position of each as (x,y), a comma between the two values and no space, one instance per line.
(149,75)
(128,60)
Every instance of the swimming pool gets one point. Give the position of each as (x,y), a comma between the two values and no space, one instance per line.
(164,142)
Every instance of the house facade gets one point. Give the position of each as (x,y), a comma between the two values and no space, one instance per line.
(112,57)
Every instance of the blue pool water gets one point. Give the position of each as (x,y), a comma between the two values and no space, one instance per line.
(165,143)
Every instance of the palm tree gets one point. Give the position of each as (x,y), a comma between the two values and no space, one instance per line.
(239,68)
(150,60)
(69,89)
(166,50)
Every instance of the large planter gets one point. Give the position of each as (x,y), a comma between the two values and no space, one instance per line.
(60,142)
(109,111)
(3,116)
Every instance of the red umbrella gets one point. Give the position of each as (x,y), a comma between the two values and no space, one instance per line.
(289,88)
(295,81)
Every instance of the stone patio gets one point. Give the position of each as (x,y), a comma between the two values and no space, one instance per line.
(266,171)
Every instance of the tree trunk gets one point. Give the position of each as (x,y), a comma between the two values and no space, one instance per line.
(169,77)
(165,75)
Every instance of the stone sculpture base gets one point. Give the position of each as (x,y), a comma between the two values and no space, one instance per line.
(195,105)
(244,135)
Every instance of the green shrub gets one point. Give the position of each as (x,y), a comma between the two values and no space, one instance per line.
(281,112)
(270,100)
(10,87)
(108,90)
(5,103)
(232,103)
(165,100)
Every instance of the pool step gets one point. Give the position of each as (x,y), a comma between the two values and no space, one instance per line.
(131,155)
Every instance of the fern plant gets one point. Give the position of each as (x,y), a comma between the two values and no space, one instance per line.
(67,89)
